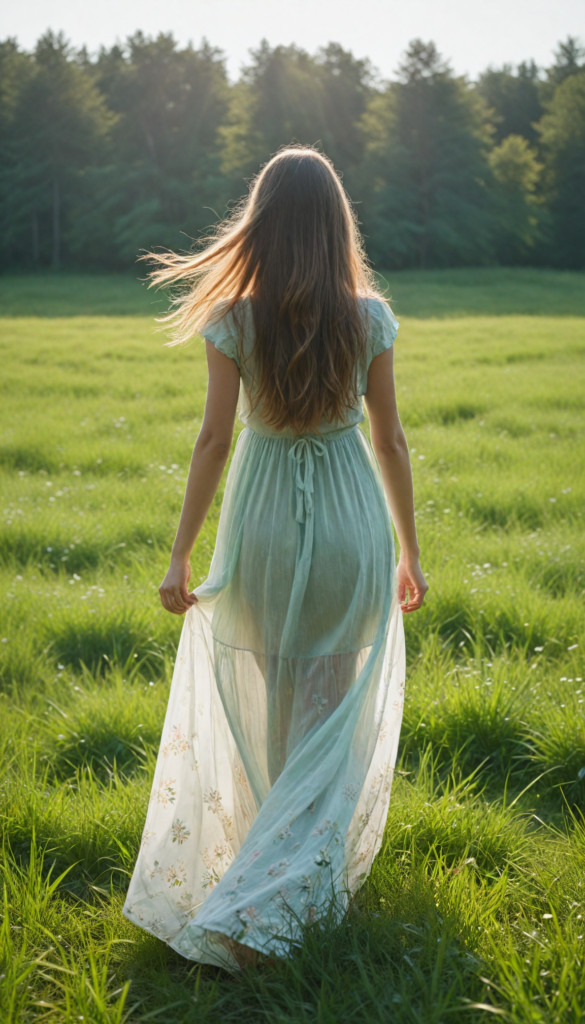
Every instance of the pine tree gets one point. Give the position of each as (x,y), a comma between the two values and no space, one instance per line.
(569,60)
(54,125)
(285,96)
(514,98)
(427,137)
(562,133)
(163,175)
(58,122)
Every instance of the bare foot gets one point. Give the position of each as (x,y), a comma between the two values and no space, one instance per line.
(244,956)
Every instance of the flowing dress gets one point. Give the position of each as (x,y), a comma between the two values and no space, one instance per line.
(273,778)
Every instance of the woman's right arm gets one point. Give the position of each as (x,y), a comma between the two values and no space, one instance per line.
(210,455)
(391,449)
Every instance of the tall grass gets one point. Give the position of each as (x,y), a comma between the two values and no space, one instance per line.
(474,907)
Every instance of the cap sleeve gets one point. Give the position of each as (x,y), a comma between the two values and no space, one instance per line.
(383,328)
(221,331)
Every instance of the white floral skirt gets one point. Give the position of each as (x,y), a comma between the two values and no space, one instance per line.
(273,779)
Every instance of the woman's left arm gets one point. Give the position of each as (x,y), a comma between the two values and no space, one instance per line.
(210,455)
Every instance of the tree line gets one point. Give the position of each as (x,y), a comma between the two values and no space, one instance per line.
(148,144)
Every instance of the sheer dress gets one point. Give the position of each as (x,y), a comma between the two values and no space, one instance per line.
(273,779)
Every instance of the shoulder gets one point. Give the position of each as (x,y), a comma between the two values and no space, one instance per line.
(382,324)
(377,309)
(226,313)
(225,326)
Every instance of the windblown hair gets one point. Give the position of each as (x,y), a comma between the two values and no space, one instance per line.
(294,250)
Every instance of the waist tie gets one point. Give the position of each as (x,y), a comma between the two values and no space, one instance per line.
(301,455)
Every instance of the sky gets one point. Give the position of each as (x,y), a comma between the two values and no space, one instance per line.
(472,34)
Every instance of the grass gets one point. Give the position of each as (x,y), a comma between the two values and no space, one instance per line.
(492,291)
(475,904)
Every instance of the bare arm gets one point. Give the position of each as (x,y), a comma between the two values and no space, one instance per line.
(391,448)
(208,461)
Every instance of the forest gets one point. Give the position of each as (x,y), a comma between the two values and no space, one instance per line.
(149,144)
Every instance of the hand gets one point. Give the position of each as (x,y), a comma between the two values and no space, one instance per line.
(173,589)
(410,578)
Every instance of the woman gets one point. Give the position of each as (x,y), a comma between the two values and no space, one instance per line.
(273,779)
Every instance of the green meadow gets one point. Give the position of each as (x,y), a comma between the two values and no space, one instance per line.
(475,907)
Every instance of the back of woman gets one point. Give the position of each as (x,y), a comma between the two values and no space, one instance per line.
(273,779)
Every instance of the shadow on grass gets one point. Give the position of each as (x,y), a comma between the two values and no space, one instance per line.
(401,963)
(109,726)
(24,546)
(444,415)
(117,638)
(468,730)
(482,625)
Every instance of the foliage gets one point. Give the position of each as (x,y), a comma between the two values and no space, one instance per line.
(148,144)
(569,60)
(286,95)
(516,170)
(514,97)
(562,132)
(56,122)
(474,907)
(425,140)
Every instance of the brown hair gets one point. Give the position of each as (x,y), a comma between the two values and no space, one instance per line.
(293,248)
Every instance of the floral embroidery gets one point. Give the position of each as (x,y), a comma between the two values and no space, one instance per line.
(384,779)
(216,863)
(276,870)
(157,870)
(176,886)
(325,826)
(212,797)
(166,793)
(180,832)
(318,703)
(210,879)
(364,820)
(232,892)
(177,744)
(185,902)
(155,925)
(176,875)
(285,833)
(399,702)
(241,777)
(249,917)
(147,835)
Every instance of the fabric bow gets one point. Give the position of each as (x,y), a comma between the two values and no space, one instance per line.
(301,455)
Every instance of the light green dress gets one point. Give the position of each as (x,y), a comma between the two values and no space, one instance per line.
(273,779)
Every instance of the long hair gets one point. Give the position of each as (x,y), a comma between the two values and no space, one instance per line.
(294,250)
